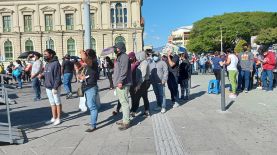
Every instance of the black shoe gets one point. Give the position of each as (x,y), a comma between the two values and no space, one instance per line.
(146,114)
(123,127)
(91,129)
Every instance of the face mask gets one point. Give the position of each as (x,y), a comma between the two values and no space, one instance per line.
(33,59)
(155,58)
(46,59)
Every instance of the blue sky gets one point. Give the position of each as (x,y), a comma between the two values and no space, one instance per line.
(163,16)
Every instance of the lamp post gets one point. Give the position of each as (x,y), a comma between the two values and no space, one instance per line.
(223,104)
(87,35)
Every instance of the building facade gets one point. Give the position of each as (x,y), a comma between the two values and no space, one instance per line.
(180,36)
(27,25)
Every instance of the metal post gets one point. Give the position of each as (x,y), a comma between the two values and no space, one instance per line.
(8,113)
(87,24)
(221,40)
(223,104)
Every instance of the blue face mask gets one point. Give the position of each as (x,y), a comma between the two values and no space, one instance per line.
(155,58)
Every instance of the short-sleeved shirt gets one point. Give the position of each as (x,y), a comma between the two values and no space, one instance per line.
(175,69)
(216,61)
(68,66)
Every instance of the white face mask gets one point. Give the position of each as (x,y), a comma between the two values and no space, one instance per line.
(33,59)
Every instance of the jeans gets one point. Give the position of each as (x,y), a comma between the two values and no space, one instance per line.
(173,87)
(19,80)
(202,69)
(36,87)
(244,77)
(217,74)
(233,80)
(91,103)
(122,95)
(184,88)
(142,92)
(267,74)
(67,77)
(159,90)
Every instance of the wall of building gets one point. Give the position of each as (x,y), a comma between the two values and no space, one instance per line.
(104,33)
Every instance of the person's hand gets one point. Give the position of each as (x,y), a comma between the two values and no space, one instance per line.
(120,85)
(54,91)
(81,77)
(137,88)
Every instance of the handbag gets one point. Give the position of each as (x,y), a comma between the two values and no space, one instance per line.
(80,91)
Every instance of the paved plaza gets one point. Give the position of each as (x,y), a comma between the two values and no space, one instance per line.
(197,127)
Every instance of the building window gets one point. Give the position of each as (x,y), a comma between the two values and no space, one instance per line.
(8,49)
(27,23)
(93,44)
(119,15)
(92,20)
(29,45)
(71,47)
(50,44)
(7,23)
(69,21)
(120,39)
(48,22)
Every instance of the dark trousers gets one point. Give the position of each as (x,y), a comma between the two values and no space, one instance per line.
(244,78)
(110,79)
(36,87)
(173,87)
(217,74)
(142,92)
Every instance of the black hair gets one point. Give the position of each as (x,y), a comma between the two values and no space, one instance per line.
(18,62)
(50,51)
(90,53)
(229,50)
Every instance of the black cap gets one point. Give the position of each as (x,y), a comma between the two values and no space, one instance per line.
(67,56)
(121,46)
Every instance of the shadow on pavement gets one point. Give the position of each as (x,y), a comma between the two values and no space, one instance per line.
(229,105)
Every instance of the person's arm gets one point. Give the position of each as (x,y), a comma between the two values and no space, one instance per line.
(57,76)
(165,75)
(124,66)
(62,68)
(251,62)
(228,61)
(37,69)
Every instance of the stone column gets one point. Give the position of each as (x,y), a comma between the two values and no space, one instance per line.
(109,15)
(16,19)
(129,14)
(37,19)
(100,15)
(79,17)
(57,17)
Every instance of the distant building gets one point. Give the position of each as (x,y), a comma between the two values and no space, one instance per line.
(58,24)
(180,36)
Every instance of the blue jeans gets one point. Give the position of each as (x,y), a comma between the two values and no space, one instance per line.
(19,80)
(202,69)
(269,74)
(91,103)
(159,90)
(244,78)
(67,77)
(36,87)
(184,88)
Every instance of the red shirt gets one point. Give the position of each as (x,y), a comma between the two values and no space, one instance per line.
(269,61)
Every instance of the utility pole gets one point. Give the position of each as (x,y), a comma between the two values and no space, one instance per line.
(87,25)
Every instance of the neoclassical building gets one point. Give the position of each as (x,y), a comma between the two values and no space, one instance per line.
(59,24)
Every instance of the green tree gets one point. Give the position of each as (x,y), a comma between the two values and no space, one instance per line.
(239,47)
(205,35)
(267,36)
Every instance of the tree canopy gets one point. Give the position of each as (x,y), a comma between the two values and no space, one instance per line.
(267,36)
(205,35)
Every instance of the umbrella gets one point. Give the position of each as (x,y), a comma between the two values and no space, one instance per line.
(107,51)
(25,55)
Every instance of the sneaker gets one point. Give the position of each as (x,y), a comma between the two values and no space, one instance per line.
(90,129)
(114,113)
(163,110)
(123,127)
(57,122)
(146,114)
(51,121)
(120,122)
(176,105)
(259,87)
(232,96)
(158,109)
(246,91)
(132,114)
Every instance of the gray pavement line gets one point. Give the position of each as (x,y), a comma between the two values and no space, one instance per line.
(3,151)
(32,150)
(75,148)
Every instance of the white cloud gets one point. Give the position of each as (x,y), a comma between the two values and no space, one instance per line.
(156,37)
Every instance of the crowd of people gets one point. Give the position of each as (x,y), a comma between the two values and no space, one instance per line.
(133,74)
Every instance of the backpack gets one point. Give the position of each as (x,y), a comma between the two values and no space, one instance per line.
(17,72)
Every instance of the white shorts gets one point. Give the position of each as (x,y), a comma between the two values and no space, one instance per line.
(54,99)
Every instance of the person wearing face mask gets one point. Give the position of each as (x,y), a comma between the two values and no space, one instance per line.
(52,83)
(246,60)
(184,75)
(122,79)
(158,79)
(36,70)
(268,63)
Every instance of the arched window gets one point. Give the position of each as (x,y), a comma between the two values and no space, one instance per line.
(120,39)
(119,15)
(93,44)
(29,45)
(50,44)
(8,49)
(71,47)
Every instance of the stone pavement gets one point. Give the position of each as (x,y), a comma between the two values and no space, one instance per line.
(196,127)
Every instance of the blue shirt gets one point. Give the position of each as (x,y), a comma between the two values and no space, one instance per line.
(216,61)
